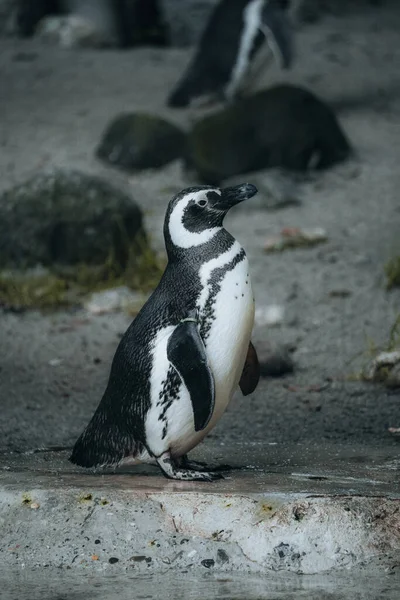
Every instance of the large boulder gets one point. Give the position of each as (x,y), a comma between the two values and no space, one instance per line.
(64,234)
(284,126)
(66,218)
(138,141)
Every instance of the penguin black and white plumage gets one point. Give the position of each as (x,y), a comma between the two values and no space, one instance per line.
(180,361)
(233,39)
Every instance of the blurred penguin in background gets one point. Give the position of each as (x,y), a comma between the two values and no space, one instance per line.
(240,37)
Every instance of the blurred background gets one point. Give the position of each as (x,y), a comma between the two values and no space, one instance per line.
(109,108)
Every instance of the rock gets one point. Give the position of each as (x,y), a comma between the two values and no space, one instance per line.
(141,141)
(284,126)
(208,563)
(271,315)
(383,367)
(64,234)
(120,298)
(99,18)
(33,288)
(393,379)
(222,556)
(140,558)
(92,23)
(186,26)
(66,218)
(275,361)
(294,237)
(72,31)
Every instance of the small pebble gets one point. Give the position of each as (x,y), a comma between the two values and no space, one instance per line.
(275,361)
(55,362)
(208,563)
(113,560)
(271,315)
(222,556)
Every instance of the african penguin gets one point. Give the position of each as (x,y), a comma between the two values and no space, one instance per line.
(230,46)
(180,361)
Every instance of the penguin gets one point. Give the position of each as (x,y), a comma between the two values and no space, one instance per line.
(181,359)
(233,39)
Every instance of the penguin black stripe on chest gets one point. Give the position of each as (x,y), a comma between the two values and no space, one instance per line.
(178,364)
(215,288)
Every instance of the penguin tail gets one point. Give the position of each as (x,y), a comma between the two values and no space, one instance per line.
(102,443)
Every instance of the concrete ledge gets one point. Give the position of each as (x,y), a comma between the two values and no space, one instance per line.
(304,521)
(255,532)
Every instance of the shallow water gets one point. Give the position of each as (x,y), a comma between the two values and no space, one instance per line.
(45,584)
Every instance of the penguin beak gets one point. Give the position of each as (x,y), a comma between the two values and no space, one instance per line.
(234,195)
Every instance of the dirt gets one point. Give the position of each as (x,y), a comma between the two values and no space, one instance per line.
(54,106)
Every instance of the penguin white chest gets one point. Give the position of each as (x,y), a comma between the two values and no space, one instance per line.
(226,315)
(226,312)
(228,331)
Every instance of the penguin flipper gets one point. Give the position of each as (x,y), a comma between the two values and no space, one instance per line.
(187,354)
(277,30)
(251,372)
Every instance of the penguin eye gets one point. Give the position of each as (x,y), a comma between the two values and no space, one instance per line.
(202,203)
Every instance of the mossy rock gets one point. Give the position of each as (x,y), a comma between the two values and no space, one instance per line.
(139,141)
(284,126)
(84,233)
(66,218)
(34,290)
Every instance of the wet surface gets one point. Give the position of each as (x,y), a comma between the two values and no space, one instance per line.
(50,585)
(295,508)
(324,469)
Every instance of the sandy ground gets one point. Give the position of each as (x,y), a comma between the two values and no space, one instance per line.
(54,105)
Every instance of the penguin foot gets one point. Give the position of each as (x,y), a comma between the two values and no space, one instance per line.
(194,465)
(172,470)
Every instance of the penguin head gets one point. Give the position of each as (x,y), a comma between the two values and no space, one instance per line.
(196,214)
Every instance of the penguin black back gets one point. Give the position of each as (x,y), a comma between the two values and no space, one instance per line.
(230,40)
(212,63)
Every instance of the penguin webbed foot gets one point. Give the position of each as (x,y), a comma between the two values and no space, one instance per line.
(200,466)
(173,470)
